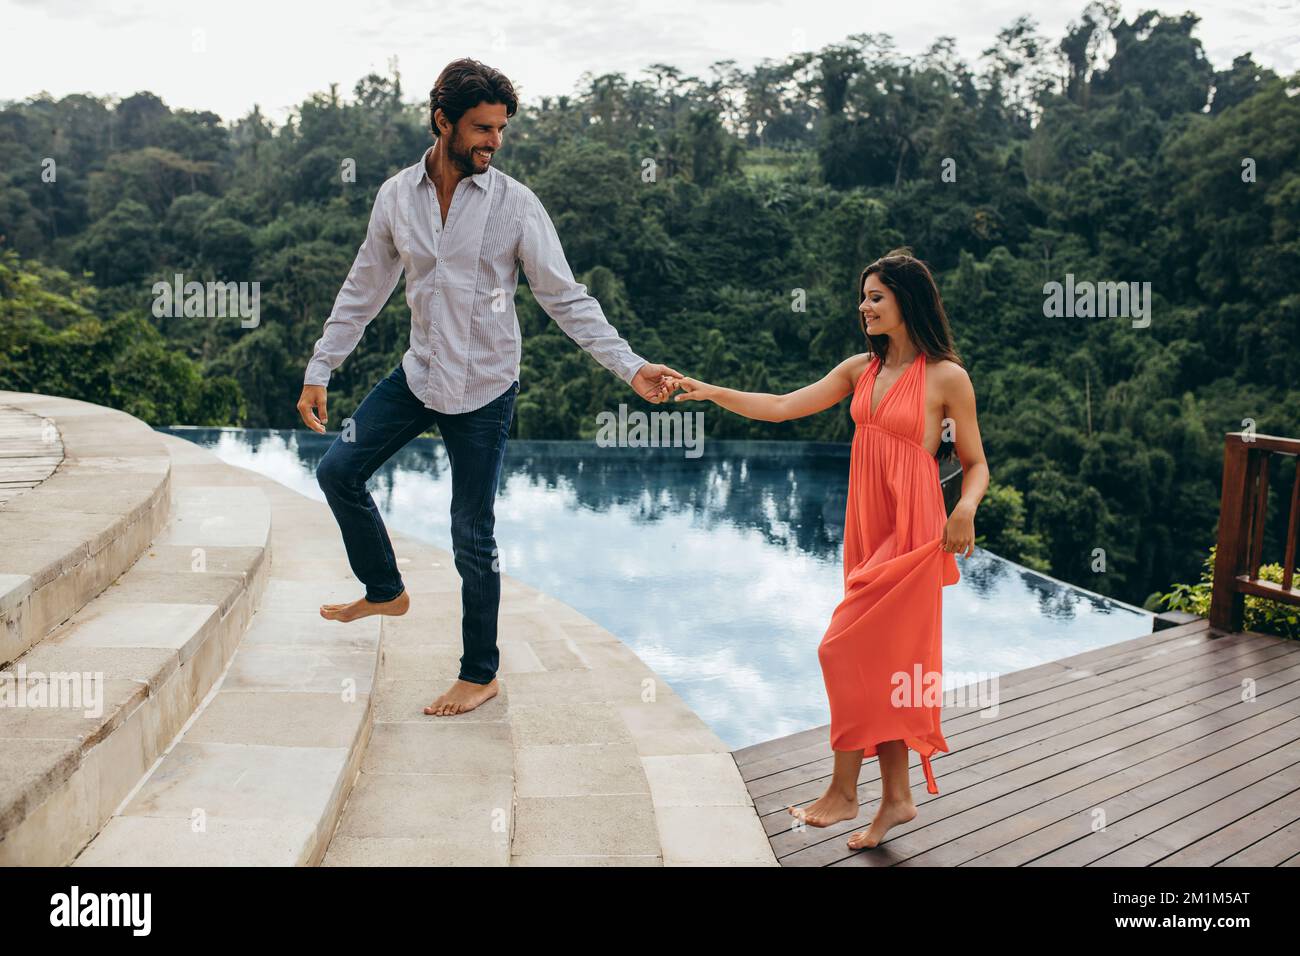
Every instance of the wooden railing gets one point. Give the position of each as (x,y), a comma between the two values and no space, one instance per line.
(1242,510)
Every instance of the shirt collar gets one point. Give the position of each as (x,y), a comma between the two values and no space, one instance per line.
(478,179)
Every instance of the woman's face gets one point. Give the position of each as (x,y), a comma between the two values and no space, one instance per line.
(879,307)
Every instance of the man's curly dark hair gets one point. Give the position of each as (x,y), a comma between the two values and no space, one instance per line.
(464,84)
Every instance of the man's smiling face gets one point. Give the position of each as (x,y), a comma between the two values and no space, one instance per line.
(475,137)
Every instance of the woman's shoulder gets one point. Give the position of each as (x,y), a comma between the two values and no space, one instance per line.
(951,377)
(852,369)
(858,364)
(945,367)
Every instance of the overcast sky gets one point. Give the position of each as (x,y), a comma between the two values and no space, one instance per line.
(225,56)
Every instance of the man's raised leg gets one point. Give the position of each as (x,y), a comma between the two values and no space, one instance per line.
(385,421)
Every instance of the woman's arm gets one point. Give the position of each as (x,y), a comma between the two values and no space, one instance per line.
(959,399)
(766,407)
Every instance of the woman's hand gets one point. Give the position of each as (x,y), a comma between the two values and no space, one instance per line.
(693,391)
(651,382)
(959,532)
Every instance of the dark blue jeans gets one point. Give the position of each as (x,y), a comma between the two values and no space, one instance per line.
(388,418)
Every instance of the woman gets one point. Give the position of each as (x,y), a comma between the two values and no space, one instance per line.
(881,656)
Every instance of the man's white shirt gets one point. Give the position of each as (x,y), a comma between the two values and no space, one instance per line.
(460,286)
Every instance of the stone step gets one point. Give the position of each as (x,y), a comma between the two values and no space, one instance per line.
(261,773)
(145,654)
(86,489)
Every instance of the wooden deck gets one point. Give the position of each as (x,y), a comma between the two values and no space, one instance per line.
(1150,737)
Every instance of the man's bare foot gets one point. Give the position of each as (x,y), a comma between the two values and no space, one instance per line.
(832,807)
(363,608)
(890,814)
(461,698)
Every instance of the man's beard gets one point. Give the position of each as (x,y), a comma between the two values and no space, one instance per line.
(463,159)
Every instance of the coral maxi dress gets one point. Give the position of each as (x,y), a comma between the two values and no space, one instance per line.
(882,654)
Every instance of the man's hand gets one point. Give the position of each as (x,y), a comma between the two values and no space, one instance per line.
(313,397)
(651,384)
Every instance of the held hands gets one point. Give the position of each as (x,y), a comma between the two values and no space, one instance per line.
(651,382)
(313,397)
(959,532)
(692,390)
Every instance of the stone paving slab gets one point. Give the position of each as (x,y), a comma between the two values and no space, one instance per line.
(165,841)
(232,781)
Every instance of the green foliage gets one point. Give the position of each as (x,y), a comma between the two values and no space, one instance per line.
(122,362)
(722,223)
(1260,614)
(1001,528)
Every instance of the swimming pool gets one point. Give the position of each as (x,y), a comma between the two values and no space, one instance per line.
(721,571)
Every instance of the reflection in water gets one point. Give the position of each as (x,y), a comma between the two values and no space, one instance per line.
(721,571)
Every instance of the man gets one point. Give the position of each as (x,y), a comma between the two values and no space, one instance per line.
(459,228)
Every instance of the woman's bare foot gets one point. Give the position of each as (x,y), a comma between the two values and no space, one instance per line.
(461,698)
(364,608)
(832,807)
(890,814)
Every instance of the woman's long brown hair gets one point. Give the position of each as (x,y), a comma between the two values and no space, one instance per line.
(921,308)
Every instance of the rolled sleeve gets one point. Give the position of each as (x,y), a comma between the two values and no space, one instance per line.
(565,299)
(370,282)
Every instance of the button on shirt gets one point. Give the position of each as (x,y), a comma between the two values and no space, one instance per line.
(460,285)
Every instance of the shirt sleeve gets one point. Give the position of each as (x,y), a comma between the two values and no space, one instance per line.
(370,282)
(565,299)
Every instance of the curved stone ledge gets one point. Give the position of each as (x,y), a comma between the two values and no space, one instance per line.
(72,534)
(157,640)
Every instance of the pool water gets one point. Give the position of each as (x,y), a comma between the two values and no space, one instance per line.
(721,571)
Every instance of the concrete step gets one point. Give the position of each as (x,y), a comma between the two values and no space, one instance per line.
(68,535)
(262,771)
(137,661)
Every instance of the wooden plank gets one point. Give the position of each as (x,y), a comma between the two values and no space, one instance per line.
(1195,675)
(1027,791)
(817,763)
(746,757)
(1281,848)
(1187,817)
(1025,827)
(1054,740)
(1017,683)
(1264,824)
(1124,786)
